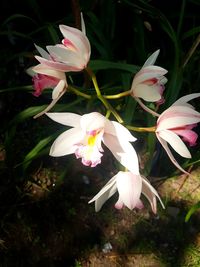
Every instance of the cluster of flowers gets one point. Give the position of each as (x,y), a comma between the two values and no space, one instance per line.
(89,131)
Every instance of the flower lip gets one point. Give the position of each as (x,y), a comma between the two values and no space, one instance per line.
(90,131)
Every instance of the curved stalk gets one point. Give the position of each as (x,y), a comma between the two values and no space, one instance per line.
(146,108)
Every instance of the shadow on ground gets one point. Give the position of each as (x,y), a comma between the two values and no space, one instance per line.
(48,222)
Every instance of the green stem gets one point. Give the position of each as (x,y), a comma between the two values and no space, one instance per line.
(117,95)
(101,97)
(110,108)
(77,92)
(141,129)
(94,80)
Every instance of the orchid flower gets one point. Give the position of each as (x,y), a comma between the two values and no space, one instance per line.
(86,136)
(175,123)
(129,186)
(72,55)
(43,78)
(149,82)
(49,78)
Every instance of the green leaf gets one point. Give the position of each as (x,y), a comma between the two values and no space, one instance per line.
(191,211)
(27,113)
(17,16)
(35,152)
(191,32)
(104,65)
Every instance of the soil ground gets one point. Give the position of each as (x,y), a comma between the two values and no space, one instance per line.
(47,221)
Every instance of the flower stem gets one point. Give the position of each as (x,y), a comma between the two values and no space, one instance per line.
(146,108)
(94,80)
(117,95)
(79,93)
(141,129)
(101,97)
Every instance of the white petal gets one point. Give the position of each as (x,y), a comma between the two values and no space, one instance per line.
(176,143)
(146,92)
(83,24)
(42,69)
(175,121)
(152,59)
(30,71)
(115,128)
(65,143)
(169,153)
(42,52)
(78,38)
(177,116)
(57,65)
(148,73)
(123,152)
(151,194)
(65,118)
(186,98)
(93,121)
(104,194)
(129,187)
(65,55)
(59,89)
(103,198)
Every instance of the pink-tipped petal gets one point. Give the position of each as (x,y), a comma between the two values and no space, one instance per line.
(177,116)
(78,38)
(139,205)
(148,73)
(129,187)
(119,204)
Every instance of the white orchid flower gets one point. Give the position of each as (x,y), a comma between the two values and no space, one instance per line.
(149,82)
(43,78)
(86,136)
(130,187)
(46,78)
(178,120)
(72,55)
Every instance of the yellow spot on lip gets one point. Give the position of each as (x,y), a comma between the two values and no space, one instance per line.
(92,140)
